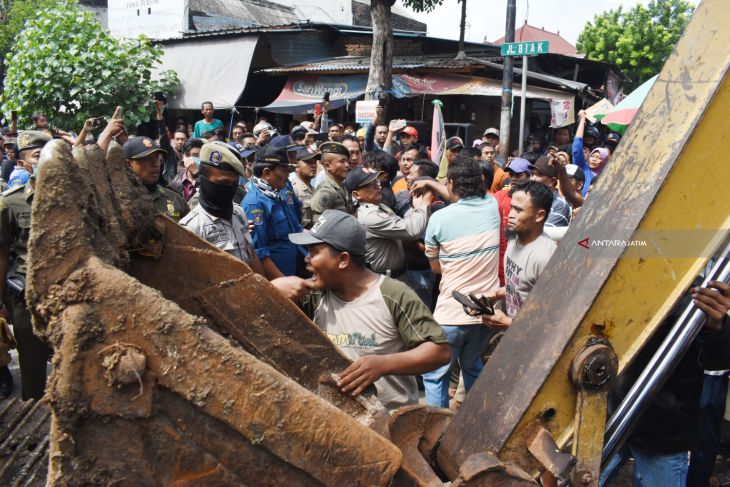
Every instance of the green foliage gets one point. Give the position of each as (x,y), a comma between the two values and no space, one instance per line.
(422,5)
(65,64)
(15,14)
(639,40)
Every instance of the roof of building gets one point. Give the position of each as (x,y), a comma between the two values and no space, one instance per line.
(427,63)
(399,17)
(527,33)
(216,15)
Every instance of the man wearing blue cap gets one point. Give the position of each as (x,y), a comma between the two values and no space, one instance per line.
(274,210)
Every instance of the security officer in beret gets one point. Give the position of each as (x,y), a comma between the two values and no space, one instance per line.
(216,218)
(331,193)
(144,159)
(15,205)
(274,209)
(384,230)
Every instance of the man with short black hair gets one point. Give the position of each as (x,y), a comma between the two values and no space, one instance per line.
(331,193)
(546,173)
(374,320)
(335,132)
(10,159)
(408,156)
(185,181)
(355,160)
(528,253)
(208,123)
(462,244)
(489,154)
(561,136)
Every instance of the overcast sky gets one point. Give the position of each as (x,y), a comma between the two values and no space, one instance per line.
(486,18)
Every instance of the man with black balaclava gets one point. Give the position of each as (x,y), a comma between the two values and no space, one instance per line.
(215,218)
(219,221)
(144,159)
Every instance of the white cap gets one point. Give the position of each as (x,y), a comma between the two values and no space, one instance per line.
(491,131)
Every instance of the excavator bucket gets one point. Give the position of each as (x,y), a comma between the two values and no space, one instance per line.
(175,364)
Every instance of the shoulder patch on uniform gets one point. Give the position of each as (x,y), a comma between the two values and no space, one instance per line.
(258,216)
(324,199)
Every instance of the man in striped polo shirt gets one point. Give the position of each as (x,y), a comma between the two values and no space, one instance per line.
(462,244)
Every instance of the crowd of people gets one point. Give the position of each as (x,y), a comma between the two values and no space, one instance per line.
(366,229)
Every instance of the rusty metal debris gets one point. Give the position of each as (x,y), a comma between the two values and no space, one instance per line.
(171,370)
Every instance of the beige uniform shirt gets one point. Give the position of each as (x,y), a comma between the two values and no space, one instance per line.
(385,232)
(304,192)
(229,235)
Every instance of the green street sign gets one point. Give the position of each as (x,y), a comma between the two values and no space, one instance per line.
(524,48)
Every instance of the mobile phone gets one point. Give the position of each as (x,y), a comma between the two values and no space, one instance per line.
(326,96)
(474,305)
(14,116)
(381,101)
(317,110)
(323,137)
(96,122)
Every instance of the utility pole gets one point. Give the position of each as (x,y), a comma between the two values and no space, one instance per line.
(462,53)
(507,66)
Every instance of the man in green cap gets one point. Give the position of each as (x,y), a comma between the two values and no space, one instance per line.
(144,159)
(15,206)
(331,193)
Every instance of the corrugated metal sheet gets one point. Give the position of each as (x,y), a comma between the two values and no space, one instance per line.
(227,14)
(362,63)
(350,64)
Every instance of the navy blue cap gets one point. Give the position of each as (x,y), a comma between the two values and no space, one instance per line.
(242,151)
(283,142)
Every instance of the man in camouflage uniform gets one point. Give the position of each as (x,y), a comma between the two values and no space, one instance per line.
(144,160)
(15,206)
(331,193)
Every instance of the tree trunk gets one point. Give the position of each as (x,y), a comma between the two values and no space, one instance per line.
(381,56)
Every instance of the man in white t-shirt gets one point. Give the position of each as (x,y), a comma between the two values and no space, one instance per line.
(528,251)
(376,321)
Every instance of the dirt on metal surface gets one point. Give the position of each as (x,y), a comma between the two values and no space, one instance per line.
(173,363)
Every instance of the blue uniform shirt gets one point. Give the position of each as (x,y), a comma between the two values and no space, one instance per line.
(273,221)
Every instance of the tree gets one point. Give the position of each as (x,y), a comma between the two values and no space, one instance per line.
(381,56)
(13,16)
(639,40)
(65,64)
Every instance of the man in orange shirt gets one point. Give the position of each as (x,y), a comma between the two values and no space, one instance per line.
(488,156)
